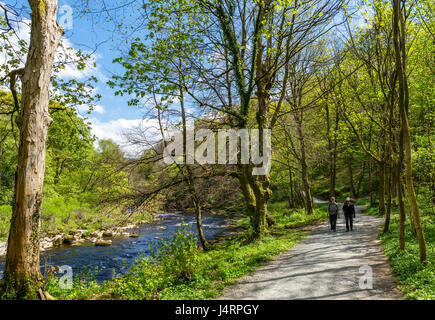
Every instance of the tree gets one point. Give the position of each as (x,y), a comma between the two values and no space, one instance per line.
(399,36)
(22,272)
(251,45)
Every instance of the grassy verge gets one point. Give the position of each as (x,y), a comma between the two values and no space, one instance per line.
(416,281)
(184,272)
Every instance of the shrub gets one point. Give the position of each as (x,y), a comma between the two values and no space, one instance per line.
(179,255)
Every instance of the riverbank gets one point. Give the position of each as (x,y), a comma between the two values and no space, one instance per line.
(79,237)
(206,273)
(73,223)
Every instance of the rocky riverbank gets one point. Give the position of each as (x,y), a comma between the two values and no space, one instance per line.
(99,237)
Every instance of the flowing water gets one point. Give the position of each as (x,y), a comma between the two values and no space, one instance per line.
(103,262)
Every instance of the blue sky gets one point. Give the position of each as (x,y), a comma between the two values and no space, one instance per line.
(113,115)
(88,36)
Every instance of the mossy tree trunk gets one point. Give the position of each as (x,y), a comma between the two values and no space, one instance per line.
(399,32)
(382,207)
(350,175)
(399,192)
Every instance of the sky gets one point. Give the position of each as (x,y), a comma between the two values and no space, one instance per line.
(112,115)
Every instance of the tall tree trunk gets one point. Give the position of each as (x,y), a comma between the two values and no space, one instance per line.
(22,271)
(400,55)
(304,167)
(408,205)
(400,204)
(399,192)
(382,209)
(332,153)
(371,185)
(197,207)
(259,221)
(290,194)
(190,181)
(361,178)
(350,173)
(260,184)
(248,194)
(389,173)
(432,187)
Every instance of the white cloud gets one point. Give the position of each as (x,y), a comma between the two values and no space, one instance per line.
(99,109)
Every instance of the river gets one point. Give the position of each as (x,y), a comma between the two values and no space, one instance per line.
(103,262)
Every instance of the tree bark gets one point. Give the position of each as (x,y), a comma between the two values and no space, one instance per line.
(382,209)
(371,186)
(399,191)
(400,204)
(305,181)
(290,193)
(389,173)
(350,173)
(190,180)
(361,178)
(432,187)
(332,154)
(260,184)
(22,271)
(298,115)
(400,55)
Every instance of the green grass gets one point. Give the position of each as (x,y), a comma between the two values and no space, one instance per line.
(363,201)
(223,265)
(59,215)
(415,280)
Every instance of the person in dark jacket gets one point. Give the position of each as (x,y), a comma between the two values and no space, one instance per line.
(333,211)
(349,214)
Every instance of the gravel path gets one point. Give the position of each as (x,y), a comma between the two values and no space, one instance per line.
(325,265)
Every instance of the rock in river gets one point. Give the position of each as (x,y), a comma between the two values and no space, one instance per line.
(68,239)
(107,234)
(102,243)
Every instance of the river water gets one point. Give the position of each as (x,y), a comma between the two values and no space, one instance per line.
(103,262)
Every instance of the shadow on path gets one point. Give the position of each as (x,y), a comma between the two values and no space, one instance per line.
(325,265)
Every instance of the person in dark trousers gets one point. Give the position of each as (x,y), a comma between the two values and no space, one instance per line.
(349,214)
(333,212)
